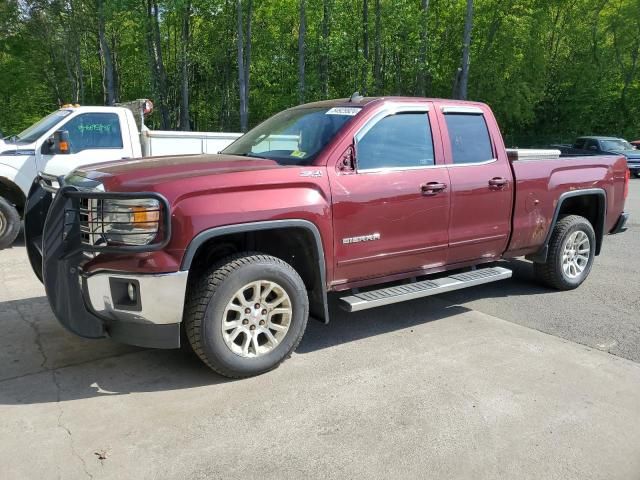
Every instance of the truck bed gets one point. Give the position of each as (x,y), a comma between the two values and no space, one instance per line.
(541,182)
(161,142)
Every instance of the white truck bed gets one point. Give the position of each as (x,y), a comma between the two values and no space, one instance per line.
(162,142)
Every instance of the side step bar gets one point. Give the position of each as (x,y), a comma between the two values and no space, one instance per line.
(424,288)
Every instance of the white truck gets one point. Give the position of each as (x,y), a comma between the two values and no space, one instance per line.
(73,136)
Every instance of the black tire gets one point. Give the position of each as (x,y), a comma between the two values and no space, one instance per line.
(209,296)
(9,223)
(552,273)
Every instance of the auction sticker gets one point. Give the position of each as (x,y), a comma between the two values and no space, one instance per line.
(350,111)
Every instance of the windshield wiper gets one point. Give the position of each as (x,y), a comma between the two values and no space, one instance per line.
(251,155)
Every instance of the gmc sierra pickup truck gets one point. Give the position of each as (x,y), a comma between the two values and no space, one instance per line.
(382,199)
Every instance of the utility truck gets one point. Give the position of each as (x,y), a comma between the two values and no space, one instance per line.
(73,136)
(380,200)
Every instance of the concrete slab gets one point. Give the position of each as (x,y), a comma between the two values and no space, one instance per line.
(418,390)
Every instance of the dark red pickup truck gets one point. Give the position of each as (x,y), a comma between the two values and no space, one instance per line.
(384,199)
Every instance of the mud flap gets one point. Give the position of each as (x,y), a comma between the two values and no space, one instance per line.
(62,253)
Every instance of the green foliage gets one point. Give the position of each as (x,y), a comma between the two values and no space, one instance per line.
(550,69)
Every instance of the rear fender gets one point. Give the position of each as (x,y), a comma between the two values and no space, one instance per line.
(541,255)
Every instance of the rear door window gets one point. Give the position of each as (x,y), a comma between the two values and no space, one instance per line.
(469,136)
(398,141)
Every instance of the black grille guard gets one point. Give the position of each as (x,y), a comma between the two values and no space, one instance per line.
(39,202)
(56,252)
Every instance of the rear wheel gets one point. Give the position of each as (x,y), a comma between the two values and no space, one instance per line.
(247,314)
(571,253)
(9,223)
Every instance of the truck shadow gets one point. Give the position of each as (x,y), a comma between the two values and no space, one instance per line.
(41,363)
(348,327)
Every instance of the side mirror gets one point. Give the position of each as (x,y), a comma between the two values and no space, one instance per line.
(61,144)
(47,146)
(347,162)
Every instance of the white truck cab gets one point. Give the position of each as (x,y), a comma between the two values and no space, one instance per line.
(74,136)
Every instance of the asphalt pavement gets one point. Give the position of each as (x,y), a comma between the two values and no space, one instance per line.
(503,381)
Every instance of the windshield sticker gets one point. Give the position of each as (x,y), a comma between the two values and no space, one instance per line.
(95,127)
(349,111)
(298,154)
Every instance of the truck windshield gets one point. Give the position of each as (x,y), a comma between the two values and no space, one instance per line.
(618,145)
(293,137)
(39,128)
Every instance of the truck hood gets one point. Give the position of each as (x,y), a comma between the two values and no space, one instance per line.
(149,174)
(12,149)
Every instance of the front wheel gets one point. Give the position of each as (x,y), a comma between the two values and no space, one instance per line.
(9,223)
(247,314)
(571,252)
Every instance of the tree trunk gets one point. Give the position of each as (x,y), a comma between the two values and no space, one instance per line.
(424,79)
(463,79)
(247,53)
(108,78)
(301,52)
(324,49)
(377,55)
(158,73)
(116,69)
(244,114)
(184,70)
(365,46)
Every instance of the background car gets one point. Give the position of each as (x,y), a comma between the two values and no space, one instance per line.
(605,146)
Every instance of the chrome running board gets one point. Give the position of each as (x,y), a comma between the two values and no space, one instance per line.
(424,288)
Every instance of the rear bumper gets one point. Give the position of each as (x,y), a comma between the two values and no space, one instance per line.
(620,225)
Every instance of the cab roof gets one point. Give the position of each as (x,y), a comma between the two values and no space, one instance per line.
(596,137)
(365,101)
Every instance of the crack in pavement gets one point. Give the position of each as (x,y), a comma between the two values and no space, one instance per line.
(56,382)
(54,377)
(69,365)
(37,339)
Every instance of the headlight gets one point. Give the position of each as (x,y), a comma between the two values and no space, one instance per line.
(130,222)
(121,221)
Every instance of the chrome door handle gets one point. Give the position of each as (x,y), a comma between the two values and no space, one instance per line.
(432,188)
(497,183)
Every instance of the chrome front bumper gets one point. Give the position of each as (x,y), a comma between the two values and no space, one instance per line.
(160,298)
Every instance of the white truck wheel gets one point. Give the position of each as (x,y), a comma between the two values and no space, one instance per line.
(9,223)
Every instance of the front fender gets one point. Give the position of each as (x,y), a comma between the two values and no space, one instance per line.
(14,175)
